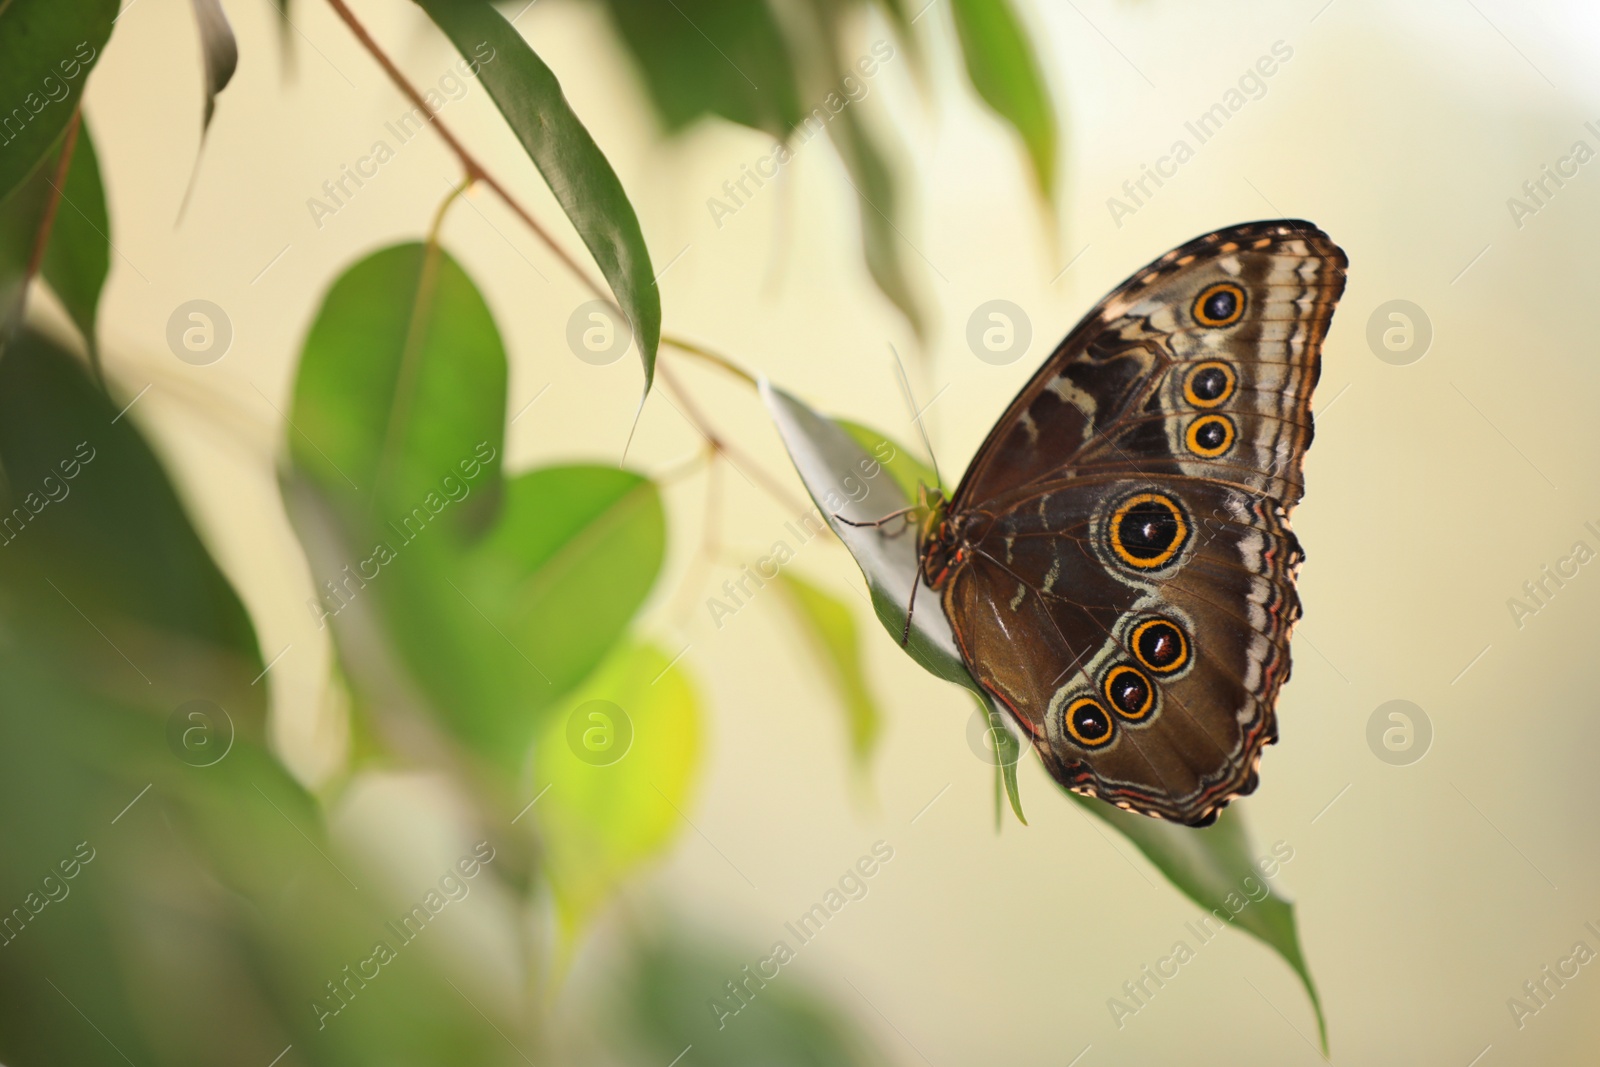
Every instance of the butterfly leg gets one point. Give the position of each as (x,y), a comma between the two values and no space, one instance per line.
(877,522)
(905,634)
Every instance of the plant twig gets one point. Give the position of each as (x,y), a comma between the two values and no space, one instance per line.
(699,351)
(41,240)
(475,169)
(736,457)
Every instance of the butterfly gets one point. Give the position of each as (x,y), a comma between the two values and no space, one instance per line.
(1117,564)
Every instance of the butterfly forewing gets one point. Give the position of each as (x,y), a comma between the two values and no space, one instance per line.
(1126,579)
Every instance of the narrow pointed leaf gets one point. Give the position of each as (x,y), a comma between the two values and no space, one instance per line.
(529,96)
(47,49)
(1216,867)
(1006,74)
(1205,865)
(877,198)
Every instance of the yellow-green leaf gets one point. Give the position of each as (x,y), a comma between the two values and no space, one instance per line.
(617,765)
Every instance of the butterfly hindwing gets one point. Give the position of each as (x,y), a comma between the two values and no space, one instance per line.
(1127,584)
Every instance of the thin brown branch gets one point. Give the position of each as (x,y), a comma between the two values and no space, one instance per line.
(474,168)
(41,240)
(737,458)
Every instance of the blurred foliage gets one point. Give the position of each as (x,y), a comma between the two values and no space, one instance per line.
(174,894)
(665,999)
(1006,74)
(202,914)
(700,57)
(831,627)
(71,219)
(47,49)
(794,77)
(618,769)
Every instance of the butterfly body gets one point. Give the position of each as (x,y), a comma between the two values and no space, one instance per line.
(1117,564)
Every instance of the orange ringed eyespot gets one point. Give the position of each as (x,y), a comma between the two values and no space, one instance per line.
(1087,722)
(1209,384)
(1221,304)
(1147,530)
(1129,692)
(1160,645)
(1210,436)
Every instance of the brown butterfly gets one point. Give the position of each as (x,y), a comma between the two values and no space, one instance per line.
(1117,564)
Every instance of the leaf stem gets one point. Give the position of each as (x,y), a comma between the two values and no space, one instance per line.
(699,351)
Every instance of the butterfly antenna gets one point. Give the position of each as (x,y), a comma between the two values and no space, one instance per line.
(916,417)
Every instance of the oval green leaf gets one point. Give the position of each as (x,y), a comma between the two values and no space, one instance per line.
(402,380)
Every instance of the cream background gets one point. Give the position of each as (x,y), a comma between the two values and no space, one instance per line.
(1427,894)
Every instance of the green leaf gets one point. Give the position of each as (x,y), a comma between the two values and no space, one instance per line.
(827,621)
(1006,74)
(616,769)
(23,215)
(900,17)
(712,57)
(1204,864)
(94,538)
(402,379)
(878,200)
(1215,867)
(498,595)
(78,257)
(664,995)
(47,49)
(530,98)
(909,472)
